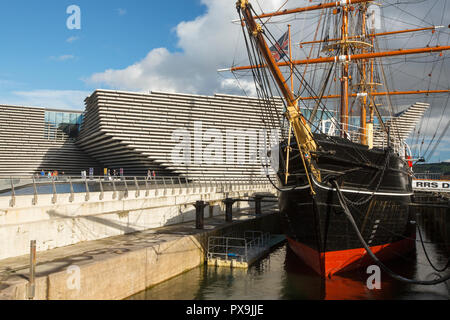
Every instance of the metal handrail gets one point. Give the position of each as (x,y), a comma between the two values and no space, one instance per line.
(220,247)
(354,134)
(12,186)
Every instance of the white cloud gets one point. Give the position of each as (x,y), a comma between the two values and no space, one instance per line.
(246,86)
(207,43)
(122,12)
(72,39)
(58,99)
(64,57)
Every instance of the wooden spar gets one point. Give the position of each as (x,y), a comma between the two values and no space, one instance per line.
(345,76)
(375,94)
(301,129)
(312,8)
(363,114)
(371,35)
(256,32)
(372,75)
(348,58)
(290,59)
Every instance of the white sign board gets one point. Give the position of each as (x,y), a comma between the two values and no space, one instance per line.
(431,185)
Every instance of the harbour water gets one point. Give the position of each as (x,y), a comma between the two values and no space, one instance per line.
(282,276)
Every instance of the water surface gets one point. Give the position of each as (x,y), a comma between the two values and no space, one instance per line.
(282,276)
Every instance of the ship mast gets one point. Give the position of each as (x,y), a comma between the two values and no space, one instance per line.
(366,135)
(346,46)
(297,122)
(344,79)
(290,58)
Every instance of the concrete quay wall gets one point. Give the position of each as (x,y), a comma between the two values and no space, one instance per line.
(119,267)
(57,221)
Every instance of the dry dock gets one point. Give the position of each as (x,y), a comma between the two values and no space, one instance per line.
(118,267)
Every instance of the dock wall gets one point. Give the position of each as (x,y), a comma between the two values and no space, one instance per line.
(56,221)
(126,265)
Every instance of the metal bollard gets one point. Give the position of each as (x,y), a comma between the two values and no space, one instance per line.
(229,209)
(114,196)
(87,197)
(32,284)
(125,194)
(138,192)
(72,195)
(147,192)
(199,214)
(12,202)
(35,195)
(102,194)
(55,196)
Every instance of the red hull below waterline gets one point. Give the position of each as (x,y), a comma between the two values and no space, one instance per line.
(329,263)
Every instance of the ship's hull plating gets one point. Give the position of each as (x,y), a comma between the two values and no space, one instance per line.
(317,228)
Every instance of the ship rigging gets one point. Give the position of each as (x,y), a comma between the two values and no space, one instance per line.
(364,170)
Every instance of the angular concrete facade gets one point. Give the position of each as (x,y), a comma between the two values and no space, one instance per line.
(217,137)
(28,144)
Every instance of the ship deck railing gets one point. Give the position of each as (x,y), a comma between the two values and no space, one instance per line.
(354,134)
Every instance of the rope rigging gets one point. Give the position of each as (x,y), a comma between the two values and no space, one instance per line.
(263,82)
(371,254)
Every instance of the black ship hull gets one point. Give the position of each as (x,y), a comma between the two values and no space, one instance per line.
(377,187)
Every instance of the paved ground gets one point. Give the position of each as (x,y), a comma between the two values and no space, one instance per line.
(59,259)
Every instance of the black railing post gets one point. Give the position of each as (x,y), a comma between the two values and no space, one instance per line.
(199,214)
(229,209)
(258,200)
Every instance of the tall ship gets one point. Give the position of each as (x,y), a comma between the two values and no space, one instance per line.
(345,169)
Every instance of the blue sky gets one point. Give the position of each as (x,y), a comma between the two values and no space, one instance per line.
(40,53)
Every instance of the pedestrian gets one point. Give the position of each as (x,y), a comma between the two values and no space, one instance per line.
(149,174)
(42,173)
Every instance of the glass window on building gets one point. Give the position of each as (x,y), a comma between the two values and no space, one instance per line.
(61,125)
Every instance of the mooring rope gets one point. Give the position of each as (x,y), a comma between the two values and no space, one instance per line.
(371,254)
(428,258)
